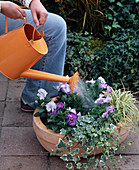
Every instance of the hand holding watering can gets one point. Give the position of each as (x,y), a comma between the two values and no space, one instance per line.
(22,48)
(13,11)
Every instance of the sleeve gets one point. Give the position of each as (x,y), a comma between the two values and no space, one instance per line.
(25,2)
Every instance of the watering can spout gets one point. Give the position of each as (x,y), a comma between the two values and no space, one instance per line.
(35,74)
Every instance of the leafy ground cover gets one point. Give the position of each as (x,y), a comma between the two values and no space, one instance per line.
(102,39)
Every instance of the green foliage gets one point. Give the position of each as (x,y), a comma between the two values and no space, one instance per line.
(117,60)
(81,118)
(101,17)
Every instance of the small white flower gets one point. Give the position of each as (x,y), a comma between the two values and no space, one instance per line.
(51,106)
(79,114)
(102,80)
(91,81)
(42,94)
(72,110)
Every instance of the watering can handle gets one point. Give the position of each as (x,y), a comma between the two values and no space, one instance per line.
(42,33)
(6,27)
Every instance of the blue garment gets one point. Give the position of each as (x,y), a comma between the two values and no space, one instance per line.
(52,62)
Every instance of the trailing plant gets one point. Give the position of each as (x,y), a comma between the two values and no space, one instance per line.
(88,120)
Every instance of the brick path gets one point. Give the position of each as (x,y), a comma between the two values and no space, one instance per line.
(19,147)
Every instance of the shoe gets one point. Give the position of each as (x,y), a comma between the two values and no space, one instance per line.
(26,108)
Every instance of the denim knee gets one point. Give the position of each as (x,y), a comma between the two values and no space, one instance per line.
(55,27)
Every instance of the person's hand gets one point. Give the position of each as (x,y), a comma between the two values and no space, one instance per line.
(12,10)
(39,13)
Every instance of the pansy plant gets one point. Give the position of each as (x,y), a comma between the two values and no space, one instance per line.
(87,121)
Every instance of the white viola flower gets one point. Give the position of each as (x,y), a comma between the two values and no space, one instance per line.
(72,110)
(42,94)
(51,106)
(102,80)
(91,81)
(79,114)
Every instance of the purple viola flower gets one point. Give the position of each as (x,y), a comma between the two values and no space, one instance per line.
(110,109)
(71,119)
(107,99)
(36,102)
(106,114)
(100,100)
(59,86)
(65,88)
(109,90)
(58,106)
(103,85)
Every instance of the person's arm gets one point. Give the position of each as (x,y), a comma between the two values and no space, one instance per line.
(39,13)
(12,10)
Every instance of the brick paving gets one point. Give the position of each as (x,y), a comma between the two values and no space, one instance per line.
(19,147)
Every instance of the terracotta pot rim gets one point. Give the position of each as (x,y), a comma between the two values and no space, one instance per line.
(41,126)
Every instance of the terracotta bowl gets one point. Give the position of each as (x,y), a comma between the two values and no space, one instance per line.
(48,138)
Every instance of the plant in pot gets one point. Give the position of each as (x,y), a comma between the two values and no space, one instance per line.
(94,119)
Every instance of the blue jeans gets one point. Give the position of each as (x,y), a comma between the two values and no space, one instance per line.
(52,62)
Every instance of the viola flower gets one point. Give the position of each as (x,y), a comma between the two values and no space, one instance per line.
(109,90)
(79,114)
(36,102)
(107,99)
(59,86)
(58,106)
(71,119)
(106,114)
(91,81)
(42,94)
(110,109)
(51,106)
(72,110)
(103,85)
(102,80)
(65,88)
(100,100)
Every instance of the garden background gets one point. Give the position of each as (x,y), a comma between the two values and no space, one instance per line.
(102,39)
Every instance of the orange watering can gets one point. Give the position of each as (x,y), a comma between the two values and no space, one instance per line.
(20,49)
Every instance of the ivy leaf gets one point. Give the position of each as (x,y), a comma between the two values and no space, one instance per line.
(85,166)
(61,144)
(58,151)
(85,154)
(119,4)
(64,157)
(69,166)
(79,165)
(101,163)
(62,131)
(104,158)
(70,143)
(91,160)
(75,159)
